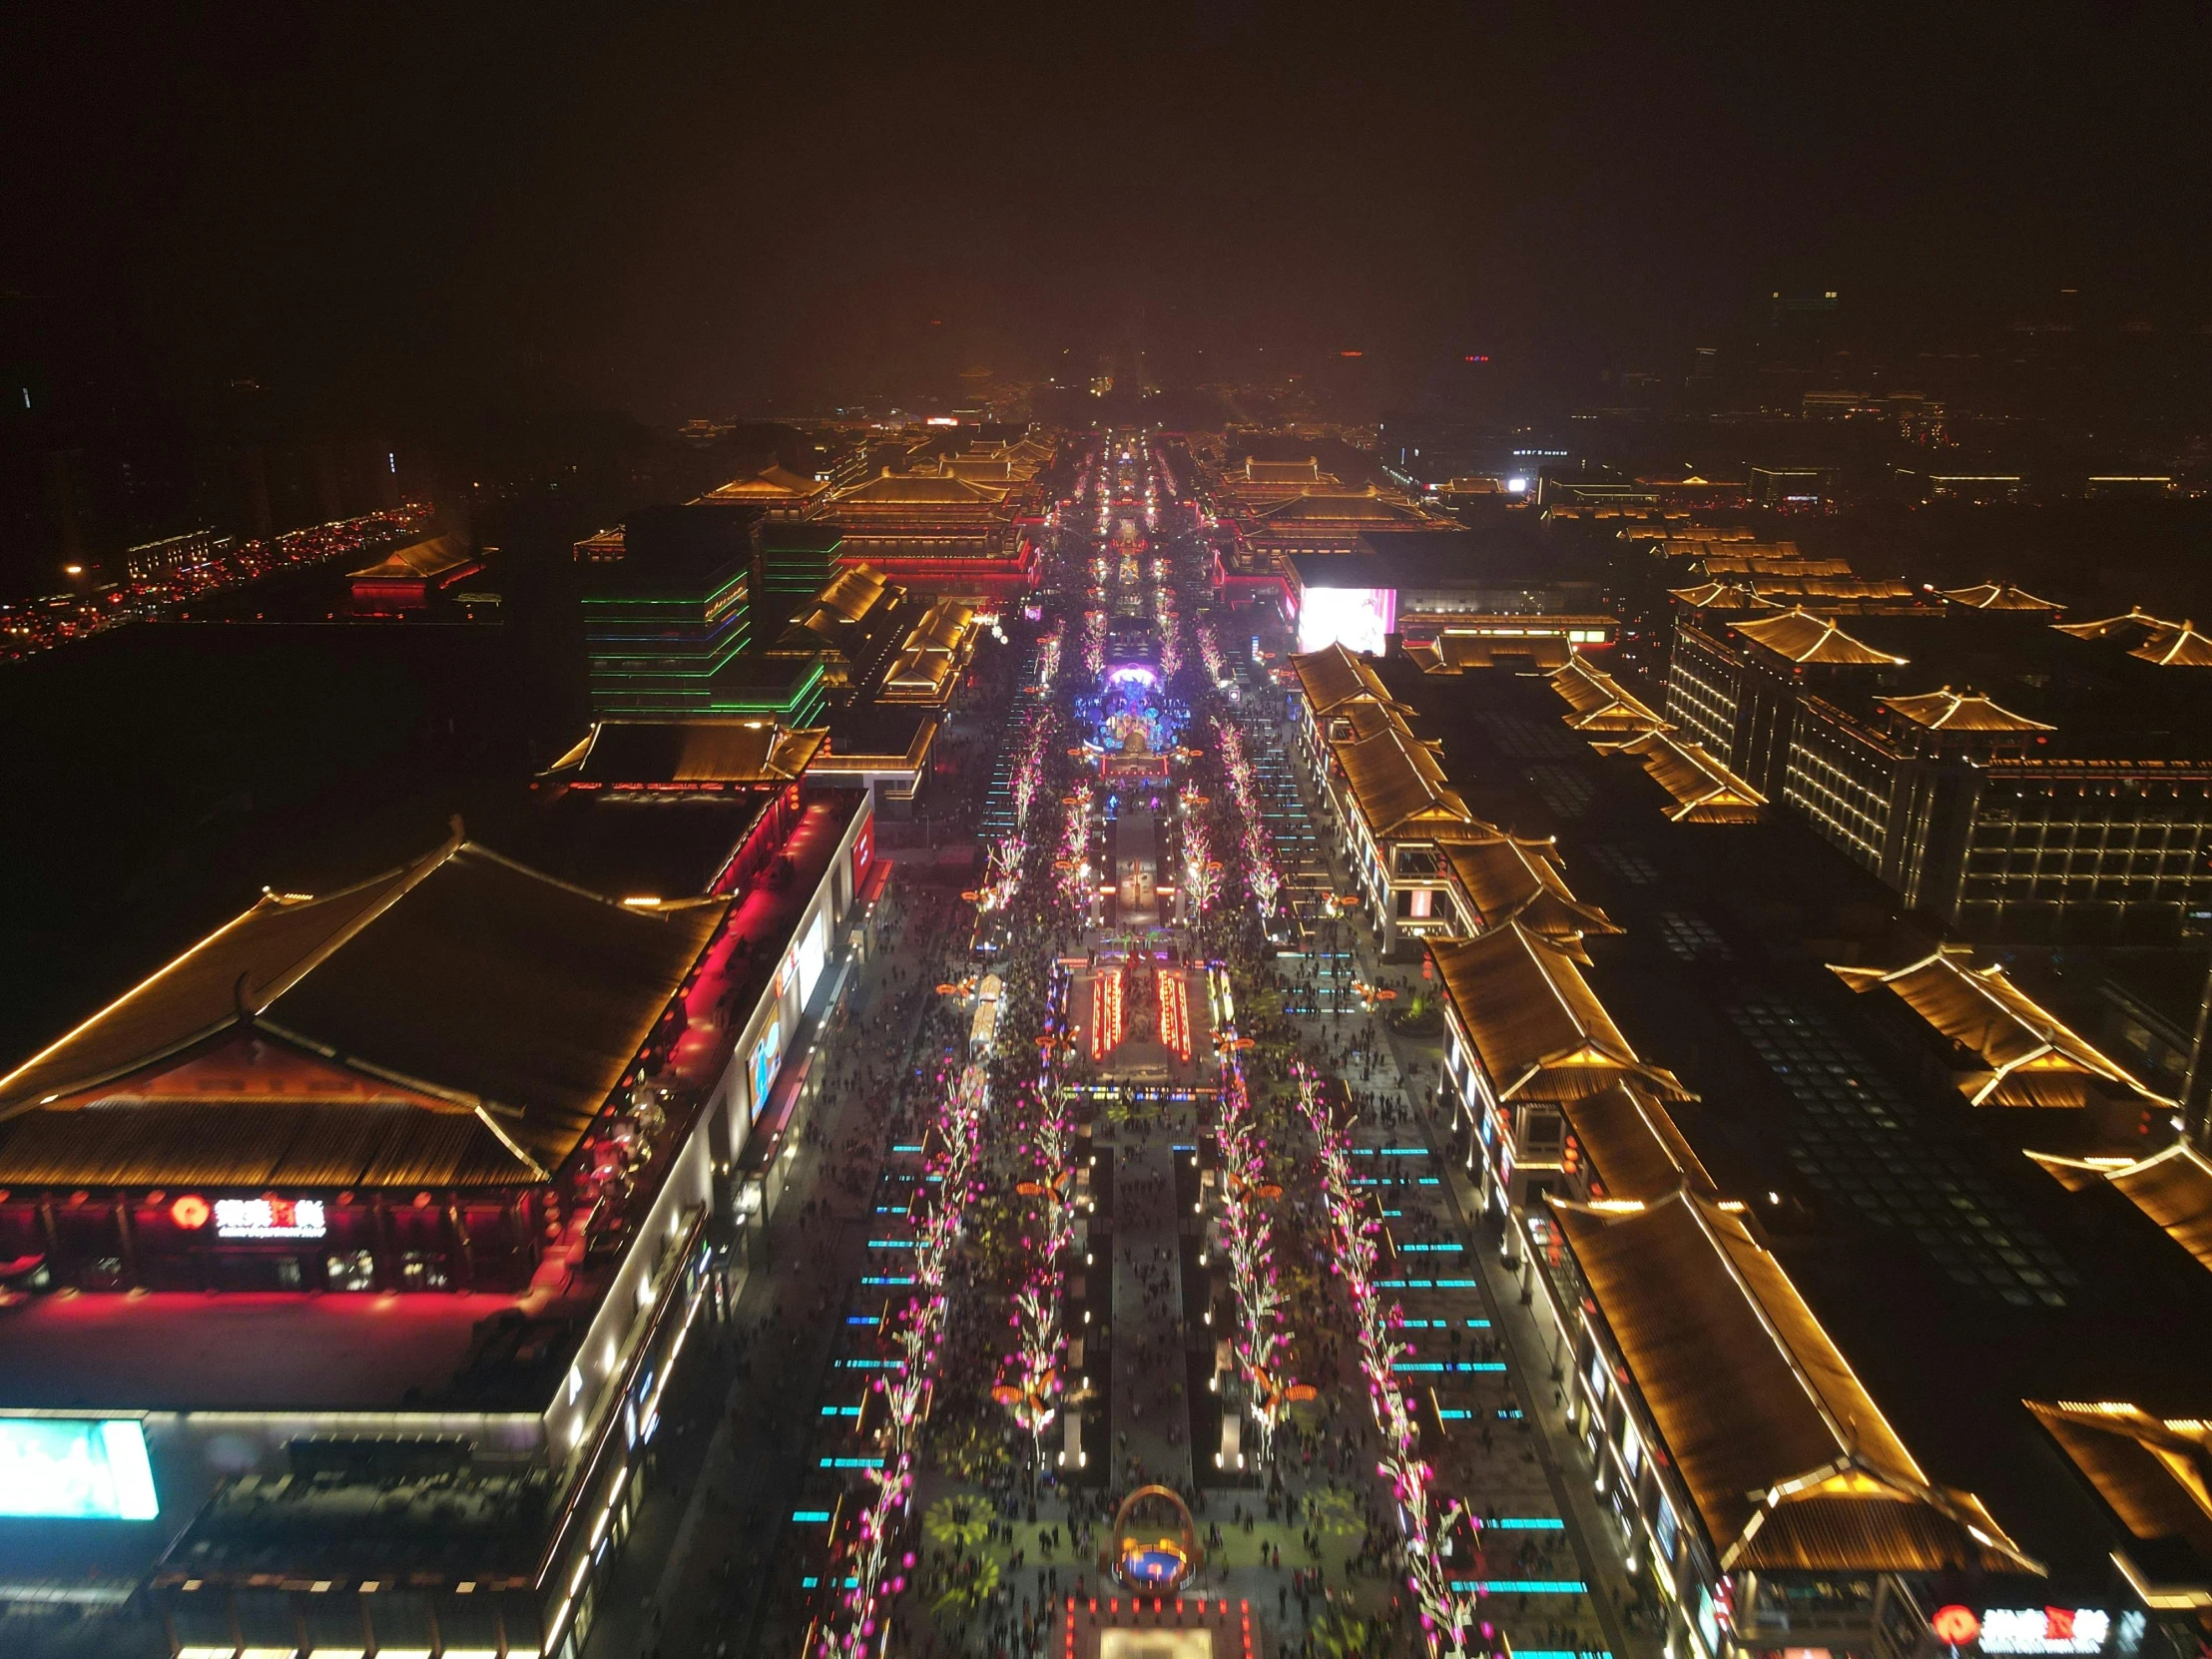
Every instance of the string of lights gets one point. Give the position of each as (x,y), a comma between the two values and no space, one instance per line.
(1248,1232)
(1424,1519)
(905,1389)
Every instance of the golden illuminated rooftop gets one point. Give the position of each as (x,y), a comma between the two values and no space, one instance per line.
(1951,711)
(773,484)
(1803,637)
(1998,595)
(2173,1187)
(1535,1025)
(1703,790)
(2027,1055)
(1789,1462)
(1596,702)
(1505,877)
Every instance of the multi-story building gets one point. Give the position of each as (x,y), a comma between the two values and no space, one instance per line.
(351,1255)
(2001,774)
(1387,789)
(1757,1486)
(774,492)
(1456,592)
(152,560)
(1526,1038)
(668,629)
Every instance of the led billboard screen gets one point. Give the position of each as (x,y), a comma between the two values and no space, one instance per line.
(74,1468)
(1355,618)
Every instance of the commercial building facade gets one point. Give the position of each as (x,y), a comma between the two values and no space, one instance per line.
(352,1253)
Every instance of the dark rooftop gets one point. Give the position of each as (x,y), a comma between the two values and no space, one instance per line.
(1450,558)
(631,844)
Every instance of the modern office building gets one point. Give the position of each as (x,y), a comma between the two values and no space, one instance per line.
(669,627)
(1387,787)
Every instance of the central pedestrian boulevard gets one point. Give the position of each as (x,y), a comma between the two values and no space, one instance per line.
(1153,1322)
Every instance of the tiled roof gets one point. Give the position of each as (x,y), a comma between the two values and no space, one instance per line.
(2027,1055)
(1789,1462)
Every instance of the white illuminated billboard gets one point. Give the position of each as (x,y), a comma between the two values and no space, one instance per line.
(74,1468)
(1355,618)
(814,952)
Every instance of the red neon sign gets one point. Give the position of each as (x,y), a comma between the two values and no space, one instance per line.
(1955,1625)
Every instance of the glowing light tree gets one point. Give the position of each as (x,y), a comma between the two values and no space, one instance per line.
(1425,1520)
(1094,644)
(919,1336)
(1048,1234)
(1209,653)
(1261,873)
(1074,860)
(1201,870)
(1248,1240)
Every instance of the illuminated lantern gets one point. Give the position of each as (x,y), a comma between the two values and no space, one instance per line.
(190,1212)
(1955,1625)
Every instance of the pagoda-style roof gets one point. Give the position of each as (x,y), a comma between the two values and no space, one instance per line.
(1508,879)
(1998,595)
(1596,702)
(854,592)
(1332,677)
(1703,790)
(2137,626)
(996,470)
(2173,1187)
(846,611)
(461,1019)
(1789,1462)
(920,489)
(1338,508)
(1951,711)
(704,751)
(1774,563)
(2027,1055)
(1398,786)
(2176,647)
(1802,637)
(1536,1026)
(1723,596)
(1458,650)
(772,486)
(421,561)
(2155,1477)
(1306,471)
(932,656)
(1635,1152)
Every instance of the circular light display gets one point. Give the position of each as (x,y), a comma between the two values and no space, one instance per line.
(1955,1624)
(190,1212)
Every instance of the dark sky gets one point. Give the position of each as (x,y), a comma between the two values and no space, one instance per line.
(697,209)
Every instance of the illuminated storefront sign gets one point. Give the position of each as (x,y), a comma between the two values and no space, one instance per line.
(65,1469)
(2044,1629)
(268,1218)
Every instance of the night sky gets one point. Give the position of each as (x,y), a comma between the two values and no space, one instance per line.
(702,209)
